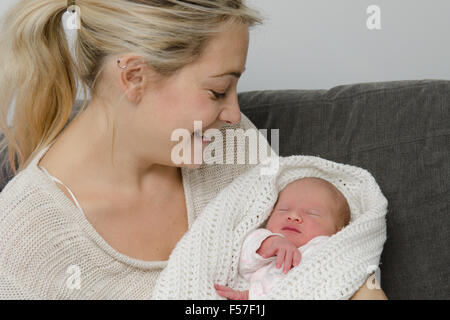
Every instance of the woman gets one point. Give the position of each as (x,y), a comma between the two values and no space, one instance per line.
(97,207)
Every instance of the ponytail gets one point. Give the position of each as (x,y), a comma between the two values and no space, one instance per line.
(38,73)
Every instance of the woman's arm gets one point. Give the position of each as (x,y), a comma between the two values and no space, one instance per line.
(372,292)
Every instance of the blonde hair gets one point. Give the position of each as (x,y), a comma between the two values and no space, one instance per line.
(343,212)
(38,72)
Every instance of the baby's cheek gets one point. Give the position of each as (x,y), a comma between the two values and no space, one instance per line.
(314,230)
(298,240)
(273,224)
(323,228)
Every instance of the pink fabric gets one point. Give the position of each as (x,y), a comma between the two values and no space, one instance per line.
(262,273)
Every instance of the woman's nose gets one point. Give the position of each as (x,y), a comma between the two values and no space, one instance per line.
(233,117)
(232,113)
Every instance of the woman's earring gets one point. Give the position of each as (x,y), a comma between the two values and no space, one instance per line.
(118,64)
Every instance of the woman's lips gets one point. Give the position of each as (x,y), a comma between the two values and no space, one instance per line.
(205,142)
(291,229)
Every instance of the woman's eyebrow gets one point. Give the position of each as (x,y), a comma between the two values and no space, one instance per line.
(236,74)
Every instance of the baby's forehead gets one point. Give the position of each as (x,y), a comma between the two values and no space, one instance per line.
(310,182)
(325,188)
(319,187)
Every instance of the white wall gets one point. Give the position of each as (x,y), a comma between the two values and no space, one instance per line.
(315,44)
(5,4)
(323,43)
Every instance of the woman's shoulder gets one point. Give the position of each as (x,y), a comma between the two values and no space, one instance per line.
(19,189)
(30,189)
(30,211)
(37,234)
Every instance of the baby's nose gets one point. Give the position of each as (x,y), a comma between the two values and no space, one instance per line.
(295,219)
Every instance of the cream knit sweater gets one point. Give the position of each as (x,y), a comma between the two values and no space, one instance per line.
(49,250)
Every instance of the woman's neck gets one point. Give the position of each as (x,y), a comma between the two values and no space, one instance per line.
(84,154)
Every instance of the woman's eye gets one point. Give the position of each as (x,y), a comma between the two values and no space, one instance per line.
(218,95)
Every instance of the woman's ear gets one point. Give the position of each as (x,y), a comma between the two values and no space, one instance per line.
(133,77)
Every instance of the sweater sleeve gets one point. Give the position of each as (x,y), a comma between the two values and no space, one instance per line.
(250,261)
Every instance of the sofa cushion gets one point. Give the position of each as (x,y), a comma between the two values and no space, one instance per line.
(400,132)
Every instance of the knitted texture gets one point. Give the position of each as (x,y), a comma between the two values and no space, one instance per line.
(209,253)
(47,244)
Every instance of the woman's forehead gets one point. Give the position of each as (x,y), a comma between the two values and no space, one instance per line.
(226,53)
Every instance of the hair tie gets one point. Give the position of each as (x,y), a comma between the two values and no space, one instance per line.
(73,13)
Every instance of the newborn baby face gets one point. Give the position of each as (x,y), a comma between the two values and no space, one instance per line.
(308,208)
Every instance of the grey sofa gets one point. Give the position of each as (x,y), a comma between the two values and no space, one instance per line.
(400,132)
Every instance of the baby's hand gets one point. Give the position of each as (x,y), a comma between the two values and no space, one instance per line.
(229,293)
(284,249)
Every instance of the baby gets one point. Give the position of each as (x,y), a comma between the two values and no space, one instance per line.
(308,211)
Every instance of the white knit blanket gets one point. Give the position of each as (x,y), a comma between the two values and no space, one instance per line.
(209,252)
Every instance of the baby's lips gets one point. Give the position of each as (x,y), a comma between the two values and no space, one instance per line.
(291,229)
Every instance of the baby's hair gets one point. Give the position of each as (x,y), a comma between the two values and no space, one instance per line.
(344,214)
(344,209)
